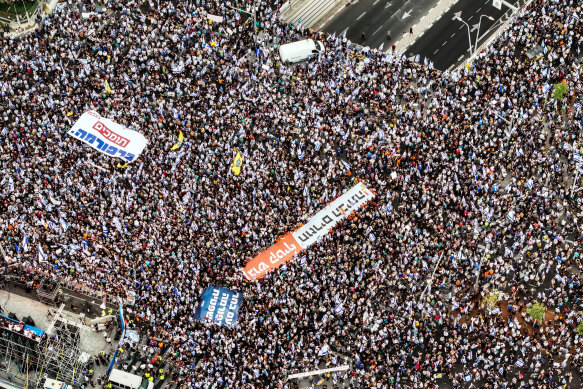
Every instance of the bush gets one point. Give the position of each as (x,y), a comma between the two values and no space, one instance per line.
(537,311)
(580,328)
(559,90)
(491,300)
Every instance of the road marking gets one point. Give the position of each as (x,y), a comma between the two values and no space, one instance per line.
(361,15)
(460,58)
(376,1)
(377,30)
(462,26)
(478,10)
(443,43)
(435,51)
(470,18)
(407,14)
(452,35)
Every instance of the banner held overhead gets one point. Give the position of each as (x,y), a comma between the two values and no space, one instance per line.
(219,305)
(318,226)
(108,137)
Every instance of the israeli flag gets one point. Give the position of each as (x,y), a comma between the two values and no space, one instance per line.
(317,146)
(508,251)
(495,188)
(64,225)
(381,46)
(275,319)
(460,255)
(520,363)
(511,216)
(577,158)
(476,232)
(41,255)
(84,242)
(468,378)
(488,239)
(530,184)
(24,241)
(300,154)
(345,164)
(324,350)
(388,208)
(303,261)
(339,308)
(11,184)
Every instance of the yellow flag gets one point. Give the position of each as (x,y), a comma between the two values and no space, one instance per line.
(237,162)
(320,382)
(107,88)
(121,166)
(180,139)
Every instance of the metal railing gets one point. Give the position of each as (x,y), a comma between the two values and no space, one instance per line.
(28,15)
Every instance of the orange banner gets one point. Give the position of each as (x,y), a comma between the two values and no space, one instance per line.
(281,252)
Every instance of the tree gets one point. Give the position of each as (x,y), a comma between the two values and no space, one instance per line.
(559,90)
(491,300)
(580,328)
(537,311)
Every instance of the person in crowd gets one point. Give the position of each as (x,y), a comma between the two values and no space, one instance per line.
(475,175)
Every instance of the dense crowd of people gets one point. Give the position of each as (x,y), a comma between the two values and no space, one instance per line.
(473,173)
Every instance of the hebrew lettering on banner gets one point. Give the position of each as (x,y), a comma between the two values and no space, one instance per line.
(108,137)
(281,252)
(219,305)
(326,219)
(295,242)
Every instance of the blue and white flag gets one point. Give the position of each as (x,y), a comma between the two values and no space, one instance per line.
(41,255)
(511,216)
(520,363)
(577,157)
(64,225)
(275,319)
(495,188)
(530,184)
(508,251)
(300,154)
(324,350)
(339,308)
(219,305)
(24,241)
(460,255)
(303,261)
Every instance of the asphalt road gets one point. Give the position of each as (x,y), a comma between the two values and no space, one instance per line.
(376,17)
(446,42)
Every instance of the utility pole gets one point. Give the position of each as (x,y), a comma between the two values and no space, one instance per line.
(254,14)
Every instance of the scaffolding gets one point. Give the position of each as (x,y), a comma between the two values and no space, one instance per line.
(48,291)
(28,362)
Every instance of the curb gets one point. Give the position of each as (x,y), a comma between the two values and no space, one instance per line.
(334,15)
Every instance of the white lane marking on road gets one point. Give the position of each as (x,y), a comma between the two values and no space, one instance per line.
(478,10)
(452,35)
(462,26)
(460,58)
(470,18)
(361,15)
(443,43)
(377,30)
(435,51)
(375,2)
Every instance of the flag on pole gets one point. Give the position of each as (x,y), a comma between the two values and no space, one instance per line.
(41,255)
(180,139)
(237,163)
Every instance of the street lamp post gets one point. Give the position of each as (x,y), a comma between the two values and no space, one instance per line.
(478,32)
(458,17)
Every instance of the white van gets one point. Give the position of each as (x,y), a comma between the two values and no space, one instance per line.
(300,50)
